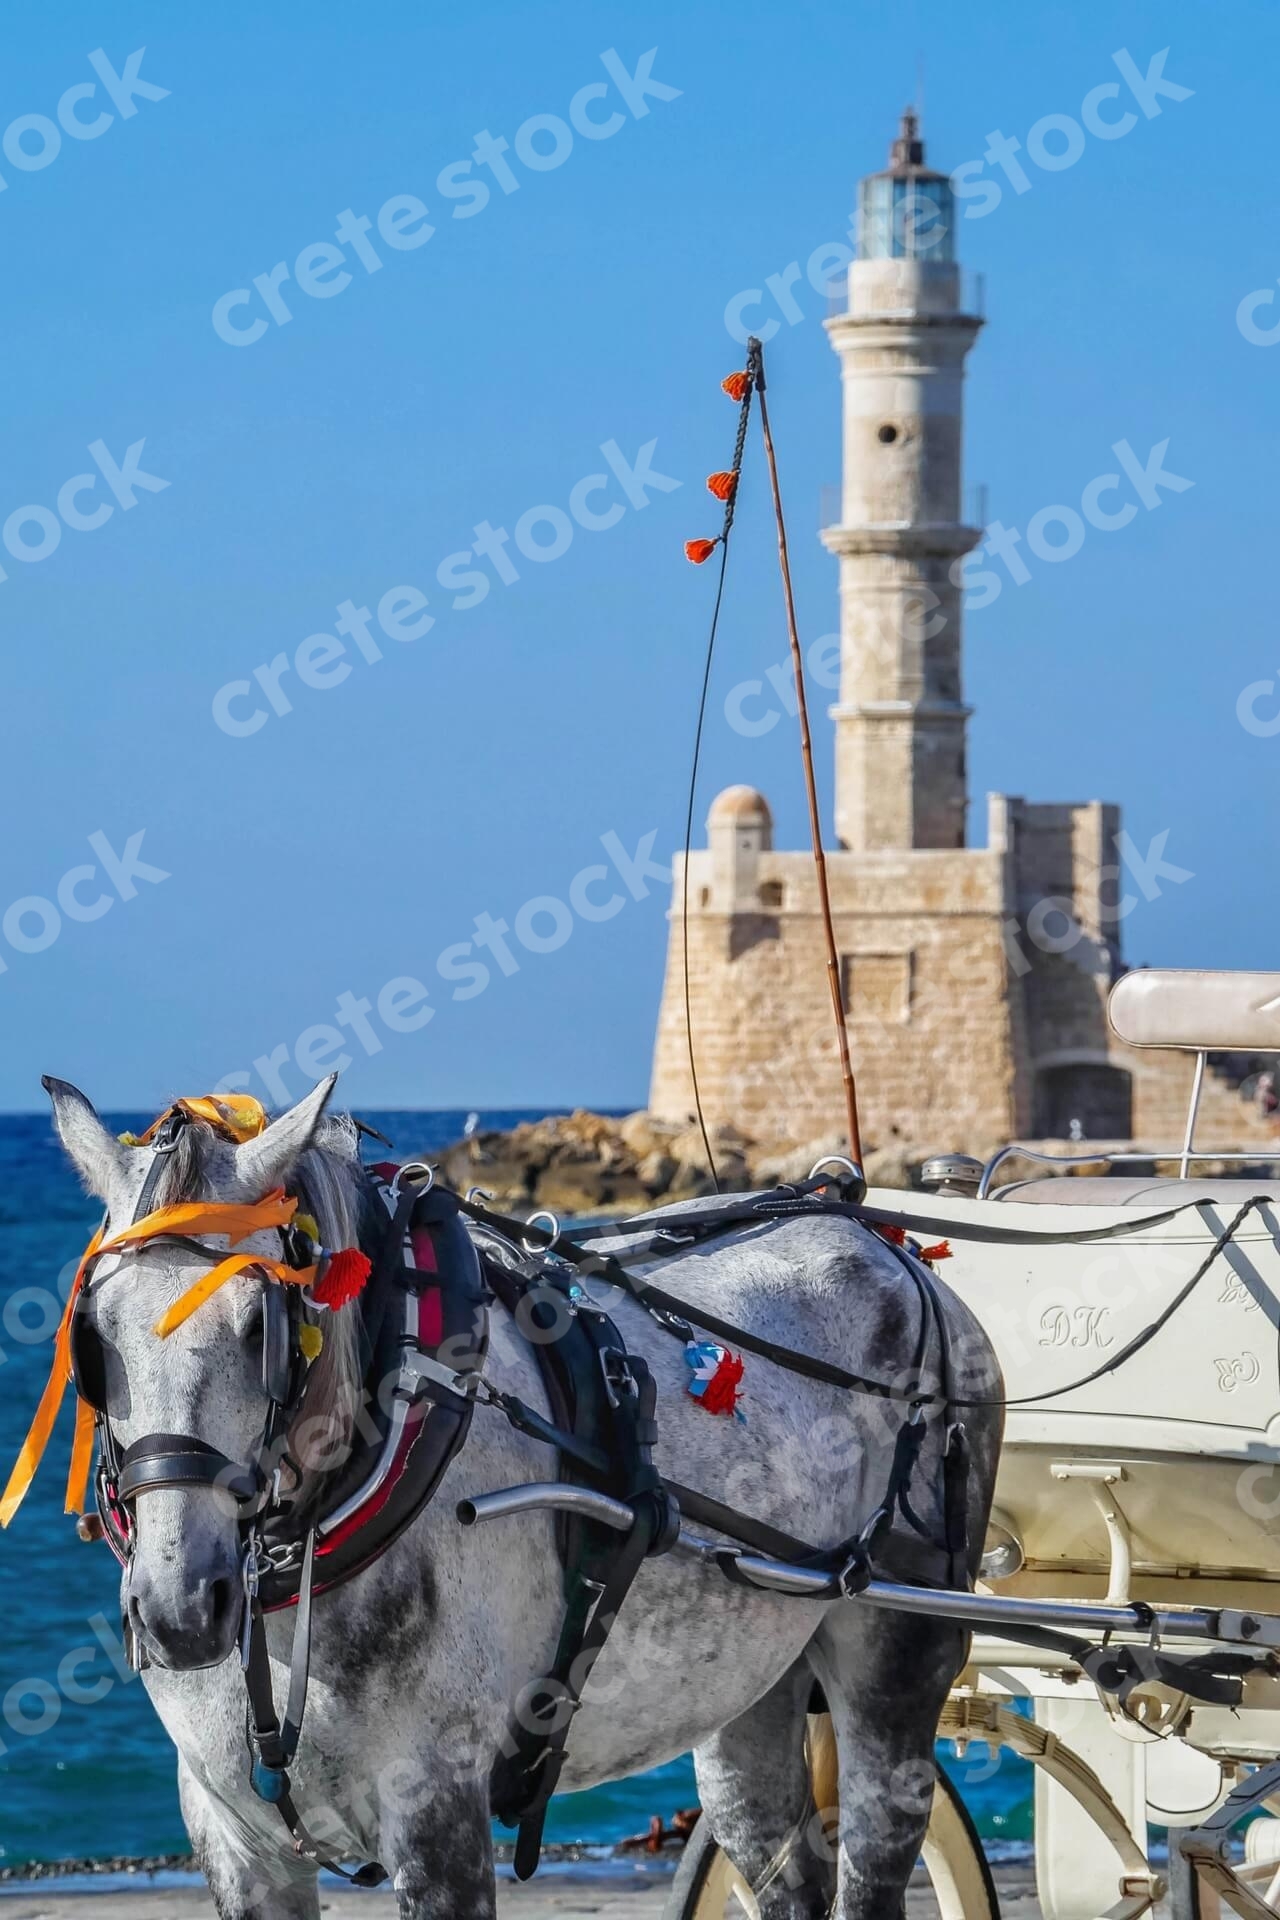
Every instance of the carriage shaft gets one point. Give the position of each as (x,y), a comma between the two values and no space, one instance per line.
(998,1610)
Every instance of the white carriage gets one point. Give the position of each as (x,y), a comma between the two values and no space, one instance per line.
(1155,1486)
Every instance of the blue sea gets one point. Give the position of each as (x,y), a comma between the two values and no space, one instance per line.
(94,1777)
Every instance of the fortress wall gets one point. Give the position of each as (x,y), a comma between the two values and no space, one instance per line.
(1161,1090)
(924,973)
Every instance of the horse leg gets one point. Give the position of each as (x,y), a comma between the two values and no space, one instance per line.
(753,1781)
(886,1677)
(437,1839)
(244,1885)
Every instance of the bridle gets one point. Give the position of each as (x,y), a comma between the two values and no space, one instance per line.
(292,1339)
(177,1461)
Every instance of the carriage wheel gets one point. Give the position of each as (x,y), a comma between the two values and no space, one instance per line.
(708,1887)
(1251,1886)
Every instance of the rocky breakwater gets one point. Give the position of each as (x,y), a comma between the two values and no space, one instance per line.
(590,1163)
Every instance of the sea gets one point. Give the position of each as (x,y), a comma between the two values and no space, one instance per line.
(86,1771)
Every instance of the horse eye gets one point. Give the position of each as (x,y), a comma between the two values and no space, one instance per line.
(253,1332)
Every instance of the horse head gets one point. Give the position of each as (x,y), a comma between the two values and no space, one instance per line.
(189,1408)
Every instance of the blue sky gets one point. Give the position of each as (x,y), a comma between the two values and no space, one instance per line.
(345,844)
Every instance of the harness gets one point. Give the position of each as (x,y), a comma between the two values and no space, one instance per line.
(423,1318)
(423,1323)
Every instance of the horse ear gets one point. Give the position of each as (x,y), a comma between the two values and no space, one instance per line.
(97,1155)
(265,1162)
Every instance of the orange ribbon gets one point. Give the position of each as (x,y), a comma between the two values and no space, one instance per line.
(237,1222)
(203,1289)
(37,1439)
(275,1209)
(237,1115)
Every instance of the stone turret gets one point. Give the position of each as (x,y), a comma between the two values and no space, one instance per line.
(739,830)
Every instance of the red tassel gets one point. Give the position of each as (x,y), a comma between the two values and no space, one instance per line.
(699,550)
(721,484)
(896,1236)
(720,1395)
(942,1251)
(344,1278)
(736,385)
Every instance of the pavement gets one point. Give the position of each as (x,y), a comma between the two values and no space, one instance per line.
(619,1896)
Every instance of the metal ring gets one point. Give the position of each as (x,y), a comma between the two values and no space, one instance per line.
(543,1213)
(477,1193)
(413,1166)
(837,1160)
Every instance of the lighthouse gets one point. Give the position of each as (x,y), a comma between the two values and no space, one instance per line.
(901,719)
(971,1018)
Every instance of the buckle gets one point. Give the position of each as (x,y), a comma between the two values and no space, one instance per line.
(618,1377)
(552,1230)
(284,1557)
(249,1576)
(854,1576)
(873,1532)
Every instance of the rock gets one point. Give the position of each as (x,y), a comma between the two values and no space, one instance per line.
(782,1164)
(657,1170)
(891,1167)
(585,1163)
(586,1191)
(643,1134)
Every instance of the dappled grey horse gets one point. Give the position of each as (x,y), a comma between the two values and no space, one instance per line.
(417,1660)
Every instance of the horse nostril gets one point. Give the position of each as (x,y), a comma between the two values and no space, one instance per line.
(189,1630)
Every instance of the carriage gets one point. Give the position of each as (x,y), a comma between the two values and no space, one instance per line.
(1138,1508)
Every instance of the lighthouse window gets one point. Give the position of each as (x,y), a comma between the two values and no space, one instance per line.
(887,435)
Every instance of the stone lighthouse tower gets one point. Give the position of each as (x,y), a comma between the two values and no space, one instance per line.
(972,1019)
(900,721)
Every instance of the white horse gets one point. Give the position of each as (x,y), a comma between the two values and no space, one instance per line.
(417,1660)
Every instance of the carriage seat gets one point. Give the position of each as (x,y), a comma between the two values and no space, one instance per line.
(1196,1010)
(1098,1191)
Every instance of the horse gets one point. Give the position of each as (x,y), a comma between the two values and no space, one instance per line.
(415,1661)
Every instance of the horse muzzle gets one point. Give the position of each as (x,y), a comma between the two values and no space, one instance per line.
(185,1623)
(185,1588)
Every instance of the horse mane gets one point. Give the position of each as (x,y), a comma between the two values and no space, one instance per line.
(329,1182)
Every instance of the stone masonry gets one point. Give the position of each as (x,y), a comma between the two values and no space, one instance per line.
(975,979)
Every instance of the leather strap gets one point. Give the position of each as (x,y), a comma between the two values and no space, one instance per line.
(160,1460)
(274,1747)
(606,1267)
